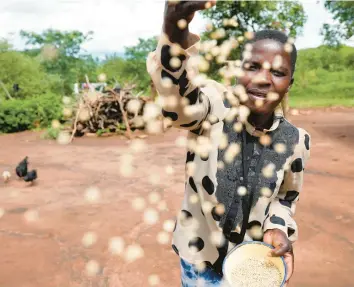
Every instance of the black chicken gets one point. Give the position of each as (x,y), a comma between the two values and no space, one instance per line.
(31,176)
(21,168)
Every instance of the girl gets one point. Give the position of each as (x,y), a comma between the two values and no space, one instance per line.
(248,170)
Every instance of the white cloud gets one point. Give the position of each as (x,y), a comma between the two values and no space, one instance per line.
(28,7)
(115,23)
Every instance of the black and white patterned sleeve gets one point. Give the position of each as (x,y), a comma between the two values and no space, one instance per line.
(169,72)
(282,208)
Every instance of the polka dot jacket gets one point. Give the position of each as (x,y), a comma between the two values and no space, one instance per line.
(212,180)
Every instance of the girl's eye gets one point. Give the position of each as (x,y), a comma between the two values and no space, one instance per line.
(250,67)
(278,73)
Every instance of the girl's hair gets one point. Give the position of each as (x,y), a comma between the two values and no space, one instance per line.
(279,37)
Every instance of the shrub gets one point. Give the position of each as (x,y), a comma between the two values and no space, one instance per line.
(350,60)
(24,114)
(51,133)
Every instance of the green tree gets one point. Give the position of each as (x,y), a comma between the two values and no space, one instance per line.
(5,45)
(251,16)
(142,49)
(17,69)
(61,53)
(343,13)
(114,68)
(256,15)
(86,65)
(131,67)
(69,43)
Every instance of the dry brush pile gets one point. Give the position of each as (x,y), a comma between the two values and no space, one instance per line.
(113,111)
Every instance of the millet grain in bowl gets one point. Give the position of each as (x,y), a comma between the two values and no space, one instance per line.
(256,272)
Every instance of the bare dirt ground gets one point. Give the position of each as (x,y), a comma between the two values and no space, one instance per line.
(48,252)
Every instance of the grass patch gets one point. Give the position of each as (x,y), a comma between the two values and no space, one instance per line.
(321,88)
(324,77)
(313,103)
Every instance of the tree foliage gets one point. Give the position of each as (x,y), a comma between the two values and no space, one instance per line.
(68,43)
(23,76)
(61,54)
(343,13)
(288,16)
(141,50)
(4,45)
(131,67)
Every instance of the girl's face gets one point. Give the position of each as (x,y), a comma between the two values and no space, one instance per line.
(260,81)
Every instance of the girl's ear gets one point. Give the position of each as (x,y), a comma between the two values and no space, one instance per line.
(291,83)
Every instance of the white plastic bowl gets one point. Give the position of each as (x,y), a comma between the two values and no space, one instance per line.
(251,249)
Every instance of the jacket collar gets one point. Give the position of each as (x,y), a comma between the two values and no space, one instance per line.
(278,115)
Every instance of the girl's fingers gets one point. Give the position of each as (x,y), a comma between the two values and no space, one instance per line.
(193,6)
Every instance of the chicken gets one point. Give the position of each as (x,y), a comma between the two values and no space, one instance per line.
(31,176)
(6,175)
(21,168)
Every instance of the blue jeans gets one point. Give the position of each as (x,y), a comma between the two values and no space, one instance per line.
(191,277)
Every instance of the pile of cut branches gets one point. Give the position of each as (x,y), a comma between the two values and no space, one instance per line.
(109,112)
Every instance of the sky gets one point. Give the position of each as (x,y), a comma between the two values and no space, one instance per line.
(118,23)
